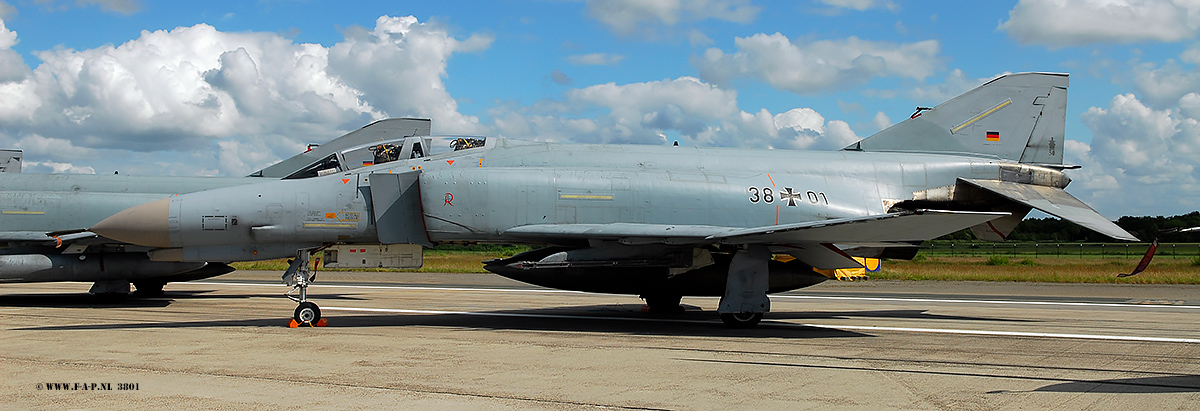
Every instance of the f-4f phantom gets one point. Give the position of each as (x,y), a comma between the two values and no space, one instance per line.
(41,216)
(656,221)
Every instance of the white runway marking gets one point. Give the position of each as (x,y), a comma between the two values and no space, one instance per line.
(830,327)
(773,323)
(774,296)
(399,287)
(934,300)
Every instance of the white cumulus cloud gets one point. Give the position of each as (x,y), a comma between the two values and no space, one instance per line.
(811,67)
(1140,158)
(1062,23)
(627,17)
(12,66)
(242,99)
(1163,85)
(658,112)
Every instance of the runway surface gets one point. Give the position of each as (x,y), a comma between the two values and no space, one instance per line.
(463,341)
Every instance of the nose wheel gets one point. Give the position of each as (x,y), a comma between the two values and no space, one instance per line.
(300,276)
(307,313)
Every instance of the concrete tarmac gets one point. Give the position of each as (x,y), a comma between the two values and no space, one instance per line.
(463,341)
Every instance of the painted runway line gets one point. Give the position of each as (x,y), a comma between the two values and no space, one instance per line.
(773,296)
(777,323)
(768,321)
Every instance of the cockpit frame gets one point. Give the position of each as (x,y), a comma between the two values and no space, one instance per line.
(387,151)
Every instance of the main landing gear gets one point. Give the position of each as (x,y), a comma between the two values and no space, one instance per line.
(741,320)
(299,276)
(745,298)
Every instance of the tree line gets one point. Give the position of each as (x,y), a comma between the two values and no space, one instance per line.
(1051,229)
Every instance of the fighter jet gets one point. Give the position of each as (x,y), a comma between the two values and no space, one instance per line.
(43,217)
(661,222)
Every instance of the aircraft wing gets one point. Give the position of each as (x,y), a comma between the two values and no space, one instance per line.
(811,242)
(889,228)
(905,227)
(43,237)
(626,233)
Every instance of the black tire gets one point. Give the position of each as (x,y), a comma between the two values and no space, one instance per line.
(741,320)
(110,298)
(660,303)
(307,313)
(148,289)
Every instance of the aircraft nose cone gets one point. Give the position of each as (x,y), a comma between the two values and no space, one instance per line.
(144,224)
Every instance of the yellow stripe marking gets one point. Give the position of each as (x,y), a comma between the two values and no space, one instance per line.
(585,196)
(329,225)
(981,116)
(23,212)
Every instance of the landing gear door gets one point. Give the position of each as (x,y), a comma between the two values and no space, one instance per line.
(396,204)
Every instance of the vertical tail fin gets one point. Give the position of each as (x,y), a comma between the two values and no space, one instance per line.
(1018,117)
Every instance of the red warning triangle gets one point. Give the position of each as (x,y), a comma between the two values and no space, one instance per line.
(345,181)
(450,162)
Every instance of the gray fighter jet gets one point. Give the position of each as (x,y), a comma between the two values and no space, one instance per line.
(661,222)
(43,216)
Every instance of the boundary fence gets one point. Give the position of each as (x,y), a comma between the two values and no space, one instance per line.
(1035,249)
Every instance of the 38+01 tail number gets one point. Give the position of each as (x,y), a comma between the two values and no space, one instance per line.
(769,196)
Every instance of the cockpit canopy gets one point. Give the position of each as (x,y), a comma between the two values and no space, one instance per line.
(385,152)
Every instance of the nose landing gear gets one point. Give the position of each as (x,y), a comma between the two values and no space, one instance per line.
(299,276)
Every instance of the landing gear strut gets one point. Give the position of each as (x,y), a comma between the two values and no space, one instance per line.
(299,276)
(745,298)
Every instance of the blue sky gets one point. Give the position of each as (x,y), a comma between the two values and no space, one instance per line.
(225,88)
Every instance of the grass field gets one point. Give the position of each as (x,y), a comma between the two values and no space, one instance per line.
(436,261)
(1041,269)
(1091,269)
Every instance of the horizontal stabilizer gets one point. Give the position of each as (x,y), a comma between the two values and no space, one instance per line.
(880,229)
(1056,202)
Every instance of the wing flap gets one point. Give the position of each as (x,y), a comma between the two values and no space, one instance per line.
(1056,202)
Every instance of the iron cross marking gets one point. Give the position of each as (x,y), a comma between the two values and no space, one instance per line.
(790,196)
